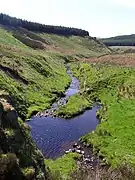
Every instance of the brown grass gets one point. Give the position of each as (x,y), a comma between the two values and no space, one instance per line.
(123,173)
(127,60)
(100,173)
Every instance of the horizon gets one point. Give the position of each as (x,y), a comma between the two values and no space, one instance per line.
(114,18)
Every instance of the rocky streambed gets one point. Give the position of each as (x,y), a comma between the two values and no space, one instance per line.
(73,89)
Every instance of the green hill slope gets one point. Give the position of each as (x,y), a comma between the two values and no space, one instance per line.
(124,40)
(35,77)
(32,76)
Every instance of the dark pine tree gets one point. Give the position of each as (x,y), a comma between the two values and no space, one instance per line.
(36,27)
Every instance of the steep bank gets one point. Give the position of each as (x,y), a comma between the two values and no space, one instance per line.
(19,157)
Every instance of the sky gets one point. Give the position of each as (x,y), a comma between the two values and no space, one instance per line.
(102,18)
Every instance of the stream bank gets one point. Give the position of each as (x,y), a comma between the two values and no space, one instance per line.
(53,135)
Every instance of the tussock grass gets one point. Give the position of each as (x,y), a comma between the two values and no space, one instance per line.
(114,86)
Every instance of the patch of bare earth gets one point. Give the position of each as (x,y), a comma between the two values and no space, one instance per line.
(59,49)
(127,60)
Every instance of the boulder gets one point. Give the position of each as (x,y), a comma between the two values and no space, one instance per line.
(78,151)
(79,147)
(75,145)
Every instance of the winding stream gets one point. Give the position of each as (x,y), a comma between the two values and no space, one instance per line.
(55,135)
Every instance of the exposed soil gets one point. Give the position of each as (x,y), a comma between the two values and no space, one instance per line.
(127,60)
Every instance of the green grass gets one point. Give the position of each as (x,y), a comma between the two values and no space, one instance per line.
(64,165)
(79,46)
(114,86)
(46,76)
(6,38)
(34,78)
(123,40)
(75,105)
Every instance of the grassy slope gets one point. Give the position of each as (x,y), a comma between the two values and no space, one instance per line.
(122,37)
(77,46)
(114,86)
(64,166)
(35,75)
(123,40)
(34,78)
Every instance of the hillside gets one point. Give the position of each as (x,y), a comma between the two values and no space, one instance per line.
(32,76)
(124,40)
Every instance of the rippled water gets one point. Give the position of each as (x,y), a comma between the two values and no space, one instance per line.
(74,86)
(55,135)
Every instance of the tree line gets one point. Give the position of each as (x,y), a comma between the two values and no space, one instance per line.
(125,40)
(119,43)
(37,27)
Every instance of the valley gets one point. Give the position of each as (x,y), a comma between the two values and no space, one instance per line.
(59,86)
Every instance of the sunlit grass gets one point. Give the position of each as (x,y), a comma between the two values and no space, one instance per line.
(114,86)
(64,165)
(75,105)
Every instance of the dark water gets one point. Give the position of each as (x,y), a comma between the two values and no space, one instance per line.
(55,135)
(74,86)
(73,89)
(52,134)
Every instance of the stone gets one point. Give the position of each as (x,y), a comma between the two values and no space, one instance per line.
(87,160)
(70,150)
(75,145)
(82,152)
(73,150)
(78,147)
(78,151)
(92,159)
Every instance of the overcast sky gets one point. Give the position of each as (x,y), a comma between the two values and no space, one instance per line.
(102,18)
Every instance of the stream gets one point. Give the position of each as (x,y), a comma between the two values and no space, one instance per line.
(54,136)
